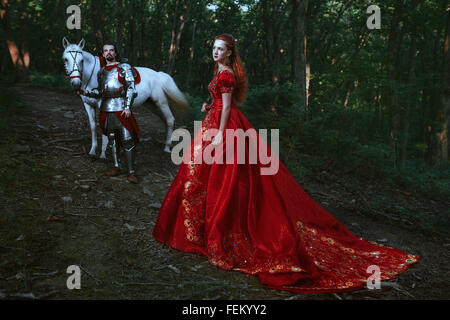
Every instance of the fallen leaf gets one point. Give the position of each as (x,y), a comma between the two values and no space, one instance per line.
(55,218)
(127,262)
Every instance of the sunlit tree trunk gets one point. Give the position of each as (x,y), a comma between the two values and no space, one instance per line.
(20,56)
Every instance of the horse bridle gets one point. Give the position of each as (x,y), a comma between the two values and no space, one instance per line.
(76,67)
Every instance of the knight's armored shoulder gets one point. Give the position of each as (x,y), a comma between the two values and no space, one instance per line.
(124,66)
(127,72)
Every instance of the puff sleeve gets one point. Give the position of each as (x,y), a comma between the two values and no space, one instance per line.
(227,82)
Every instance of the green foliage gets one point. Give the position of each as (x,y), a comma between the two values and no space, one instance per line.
(50,80)
(195,113)
(268,106)
(416,176)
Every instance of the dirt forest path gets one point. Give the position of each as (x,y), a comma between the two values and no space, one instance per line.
(67,212)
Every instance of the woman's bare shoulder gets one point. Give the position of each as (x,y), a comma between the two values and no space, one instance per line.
(230,71)
(227,69)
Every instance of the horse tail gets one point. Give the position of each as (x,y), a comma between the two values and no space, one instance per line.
(171,90)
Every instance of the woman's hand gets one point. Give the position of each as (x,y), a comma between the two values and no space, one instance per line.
(204,106)
(217,138)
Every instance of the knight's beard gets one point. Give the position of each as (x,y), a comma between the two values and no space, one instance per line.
(110,58)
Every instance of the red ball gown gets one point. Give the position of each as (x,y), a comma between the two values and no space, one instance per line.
(264,225)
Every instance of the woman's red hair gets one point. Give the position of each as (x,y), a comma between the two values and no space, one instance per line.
(237,66)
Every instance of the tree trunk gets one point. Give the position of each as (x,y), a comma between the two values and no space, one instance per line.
(344,88)
(191,55)
(277,27)
(142,34)
(267,61)
(176,36)
(410,96)
(293,21)
(441,124)
(173,40)
(20,57)
(300,47)
(132,45)
(119,6)
(157,45)
(433,95)
(272,38)
(393,46)
(98,10)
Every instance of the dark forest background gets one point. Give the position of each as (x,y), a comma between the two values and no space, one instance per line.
(367,103)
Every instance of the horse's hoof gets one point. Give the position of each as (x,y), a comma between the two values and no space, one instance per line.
(102,160)
(167,149)
(92,157)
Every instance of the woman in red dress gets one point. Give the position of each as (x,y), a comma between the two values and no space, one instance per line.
(264,225)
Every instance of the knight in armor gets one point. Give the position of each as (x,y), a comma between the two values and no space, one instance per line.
(117,90)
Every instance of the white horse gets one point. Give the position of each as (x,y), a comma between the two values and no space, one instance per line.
(155,88)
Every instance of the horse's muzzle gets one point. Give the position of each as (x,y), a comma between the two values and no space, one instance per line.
(75,83)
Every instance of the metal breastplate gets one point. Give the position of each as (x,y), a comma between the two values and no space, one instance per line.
(113,93)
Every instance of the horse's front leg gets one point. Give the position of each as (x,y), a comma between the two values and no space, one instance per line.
(91,115)
(104,146)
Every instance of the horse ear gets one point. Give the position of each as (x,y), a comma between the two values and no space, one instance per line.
(82,43)
(65,42)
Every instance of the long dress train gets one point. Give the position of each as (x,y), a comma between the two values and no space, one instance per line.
(264,225)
